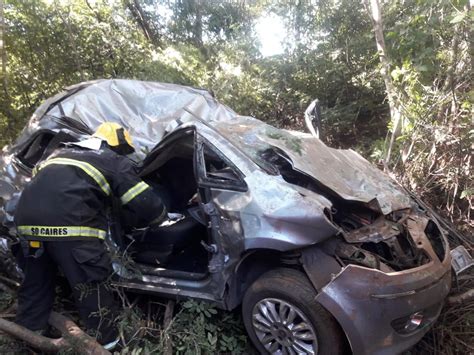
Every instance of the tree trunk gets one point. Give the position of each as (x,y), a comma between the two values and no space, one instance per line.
(375,14)
(4,59)
(143,22)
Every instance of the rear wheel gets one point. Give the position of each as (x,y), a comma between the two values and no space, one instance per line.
(282,317)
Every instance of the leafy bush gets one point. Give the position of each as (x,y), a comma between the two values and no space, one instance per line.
(199,328)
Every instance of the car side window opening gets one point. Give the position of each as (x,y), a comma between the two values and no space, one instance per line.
(40,146)
(220,172)
(172,174)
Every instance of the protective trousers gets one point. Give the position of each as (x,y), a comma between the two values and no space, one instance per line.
(86,265)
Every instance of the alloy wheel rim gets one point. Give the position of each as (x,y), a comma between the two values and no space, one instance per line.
(282,328)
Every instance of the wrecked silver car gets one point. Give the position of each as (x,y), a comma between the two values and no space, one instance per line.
(322,250)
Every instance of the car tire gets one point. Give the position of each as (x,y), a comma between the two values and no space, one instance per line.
(281,301)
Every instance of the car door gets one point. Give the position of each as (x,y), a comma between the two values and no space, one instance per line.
(223,193)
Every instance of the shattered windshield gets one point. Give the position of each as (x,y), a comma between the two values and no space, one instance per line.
(251,136)
(343,171)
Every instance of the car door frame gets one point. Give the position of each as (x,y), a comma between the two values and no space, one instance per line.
(228,243)
(212,288)
(215,287)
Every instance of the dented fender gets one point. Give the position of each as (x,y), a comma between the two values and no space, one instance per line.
(320,267)
(366,302)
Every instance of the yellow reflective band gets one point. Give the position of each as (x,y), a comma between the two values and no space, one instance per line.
(61,231)
(86,167)
(133,192)
(35,244)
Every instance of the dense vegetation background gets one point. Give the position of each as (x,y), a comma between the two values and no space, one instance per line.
(407,107)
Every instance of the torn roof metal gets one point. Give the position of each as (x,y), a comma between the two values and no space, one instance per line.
(150,110)
(147,109)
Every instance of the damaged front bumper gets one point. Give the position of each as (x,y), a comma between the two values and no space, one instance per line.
(382,310)
(386,313)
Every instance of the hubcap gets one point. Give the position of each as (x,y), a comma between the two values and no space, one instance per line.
(282,328)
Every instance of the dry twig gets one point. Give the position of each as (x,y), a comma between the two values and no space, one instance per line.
(168,317)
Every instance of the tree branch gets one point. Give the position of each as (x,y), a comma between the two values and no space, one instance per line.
(69,329)
(143,22)
(73,337)
(461,298)
(35,340)
(168,317)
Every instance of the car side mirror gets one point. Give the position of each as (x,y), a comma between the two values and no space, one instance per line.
(312,117)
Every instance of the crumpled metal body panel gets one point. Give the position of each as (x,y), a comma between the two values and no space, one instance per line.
(366,319)
(345,172)
(271,214)
(366,301)
(149,110)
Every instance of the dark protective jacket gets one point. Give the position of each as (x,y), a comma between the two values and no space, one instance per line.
(72,192)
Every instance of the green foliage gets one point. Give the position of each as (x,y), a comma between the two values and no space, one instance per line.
(432,70)
(199,328)
(52,45)
(468,193)
(45,54)
(291,142)
(6,299)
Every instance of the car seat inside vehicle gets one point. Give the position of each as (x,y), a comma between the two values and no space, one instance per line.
(176,246)
(176,243)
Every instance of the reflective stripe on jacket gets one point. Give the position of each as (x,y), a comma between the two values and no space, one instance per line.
(61,231)
(86,167)
(71,193)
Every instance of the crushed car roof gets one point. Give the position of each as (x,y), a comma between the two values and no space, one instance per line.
(150,110)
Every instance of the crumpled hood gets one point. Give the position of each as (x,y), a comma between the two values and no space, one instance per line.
(344,172)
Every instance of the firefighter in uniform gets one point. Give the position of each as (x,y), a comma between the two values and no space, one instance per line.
(62,222)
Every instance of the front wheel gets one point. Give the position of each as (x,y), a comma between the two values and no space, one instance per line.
(282,317)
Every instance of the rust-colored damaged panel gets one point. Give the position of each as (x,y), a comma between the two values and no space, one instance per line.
(380,230)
